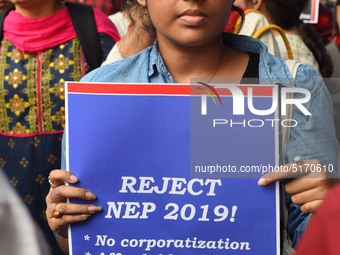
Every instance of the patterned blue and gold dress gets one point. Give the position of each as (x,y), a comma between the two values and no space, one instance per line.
(32,76)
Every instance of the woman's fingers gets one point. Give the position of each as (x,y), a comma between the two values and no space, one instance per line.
(309,168)
(69,213)
(60,193)
(68,219)
(311,207)
(307,183)
(59,177)
(74,209)
(59,225)
(309,191)
(310,195)
(59,213)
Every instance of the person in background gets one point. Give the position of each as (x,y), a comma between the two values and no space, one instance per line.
(19,234)
(109,7)
(252,22)
(306,44)
(325,25)
(39,52)
(190,34)
(5,5)
(135,29)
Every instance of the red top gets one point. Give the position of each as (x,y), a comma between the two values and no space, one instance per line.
(322,235)
(34,35)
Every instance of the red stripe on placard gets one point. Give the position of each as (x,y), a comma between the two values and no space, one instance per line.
(160,89)
(142,89)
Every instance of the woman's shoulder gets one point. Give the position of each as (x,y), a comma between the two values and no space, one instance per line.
(131,69)
(292,73)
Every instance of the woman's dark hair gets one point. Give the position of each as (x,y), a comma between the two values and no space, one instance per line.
(286,14)
(138,13)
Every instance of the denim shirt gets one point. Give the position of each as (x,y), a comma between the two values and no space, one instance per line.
(313,138)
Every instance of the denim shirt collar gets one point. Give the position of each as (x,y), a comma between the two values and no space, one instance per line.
(157,63)
(238,42)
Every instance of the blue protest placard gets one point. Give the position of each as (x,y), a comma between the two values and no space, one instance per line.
(157,157)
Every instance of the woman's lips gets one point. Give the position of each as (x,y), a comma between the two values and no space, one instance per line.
(193,17)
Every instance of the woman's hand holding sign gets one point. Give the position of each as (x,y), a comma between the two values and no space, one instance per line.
(59,213)
(310,182)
